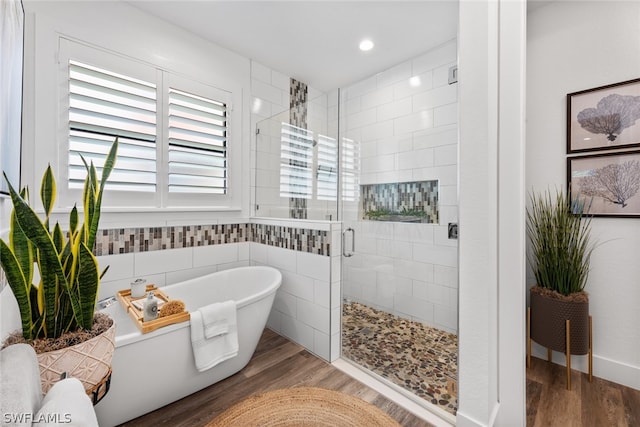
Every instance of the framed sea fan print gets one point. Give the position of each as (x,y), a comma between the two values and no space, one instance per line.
(607,183)
(604,118)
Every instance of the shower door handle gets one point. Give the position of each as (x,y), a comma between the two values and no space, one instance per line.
(353,242)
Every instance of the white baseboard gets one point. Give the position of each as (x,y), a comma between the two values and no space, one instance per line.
(608,369)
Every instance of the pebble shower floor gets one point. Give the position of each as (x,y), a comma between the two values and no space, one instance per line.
(417,357)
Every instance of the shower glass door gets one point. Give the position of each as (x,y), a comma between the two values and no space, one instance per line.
(398,184)
(296,169)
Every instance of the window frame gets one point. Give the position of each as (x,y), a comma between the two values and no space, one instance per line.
(136,201)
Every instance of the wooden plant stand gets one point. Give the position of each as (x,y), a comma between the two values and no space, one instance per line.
(567,353)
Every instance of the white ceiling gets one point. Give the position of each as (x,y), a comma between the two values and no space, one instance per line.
(316,41)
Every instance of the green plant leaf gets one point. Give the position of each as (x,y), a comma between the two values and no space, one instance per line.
(104,272)
(58,238)
(48,193)
(88,199)
(50,268)
(560,247)
(73,220)
(87,286)
(19,286)
(22,248)
(36,317)
(106,172)
(109,164)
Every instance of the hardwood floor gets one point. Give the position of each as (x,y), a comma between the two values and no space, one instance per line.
(277,363)
(600,403)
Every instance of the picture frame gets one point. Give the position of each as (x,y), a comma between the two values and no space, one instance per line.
(11,66)
(608,183)
(604,118)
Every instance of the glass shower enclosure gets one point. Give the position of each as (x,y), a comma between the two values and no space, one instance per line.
(297,163)
(386,170)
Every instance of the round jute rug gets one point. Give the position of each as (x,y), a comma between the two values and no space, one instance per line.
(303,406)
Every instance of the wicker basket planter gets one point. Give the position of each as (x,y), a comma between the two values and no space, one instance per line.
(89,361)
(548,323)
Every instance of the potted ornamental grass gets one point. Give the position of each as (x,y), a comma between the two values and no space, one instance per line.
(559,232)
(55,278)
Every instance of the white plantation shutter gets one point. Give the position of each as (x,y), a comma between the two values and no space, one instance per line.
(350,170)
(327,176)
(103,105)
(197,144)
(173,132)
(296,162)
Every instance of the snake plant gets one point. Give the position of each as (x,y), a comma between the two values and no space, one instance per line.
(65,297)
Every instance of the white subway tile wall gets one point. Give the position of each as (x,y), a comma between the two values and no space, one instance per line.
(302,307)
(406,121)
(269,97)
(308,259)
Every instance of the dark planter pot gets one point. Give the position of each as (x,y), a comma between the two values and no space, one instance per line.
(548,323)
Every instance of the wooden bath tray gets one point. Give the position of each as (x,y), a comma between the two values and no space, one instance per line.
(136,314)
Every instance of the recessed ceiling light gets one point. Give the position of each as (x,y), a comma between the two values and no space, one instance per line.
(415,81)
(366,45)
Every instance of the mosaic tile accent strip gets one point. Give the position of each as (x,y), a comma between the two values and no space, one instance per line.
(417,357)
(128,240)
(298,239)
(144,239)
(402,202)
(297,208)
(298,93)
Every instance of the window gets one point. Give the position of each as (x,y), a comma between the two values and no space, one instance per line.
(173,131)
(197,144)
(103,105)
(350,170)
(327,181)
(296,162)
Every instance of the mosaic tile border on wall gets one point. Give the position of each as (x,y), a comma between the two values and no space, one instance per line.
(143,239)
(297,239)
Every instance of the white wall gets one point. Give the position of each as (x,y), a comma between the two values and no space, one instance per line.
(574,46)
(124,30)
(407,132)
(491,246)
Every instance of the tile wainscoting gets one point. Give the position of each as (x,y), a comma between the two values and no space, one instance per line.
(306,308)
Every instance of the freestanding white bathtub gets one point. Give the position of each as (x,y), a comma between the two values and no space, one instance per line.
(154,369)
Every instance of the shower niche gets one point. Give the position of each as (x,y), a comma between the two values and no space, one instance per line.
(408,202)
